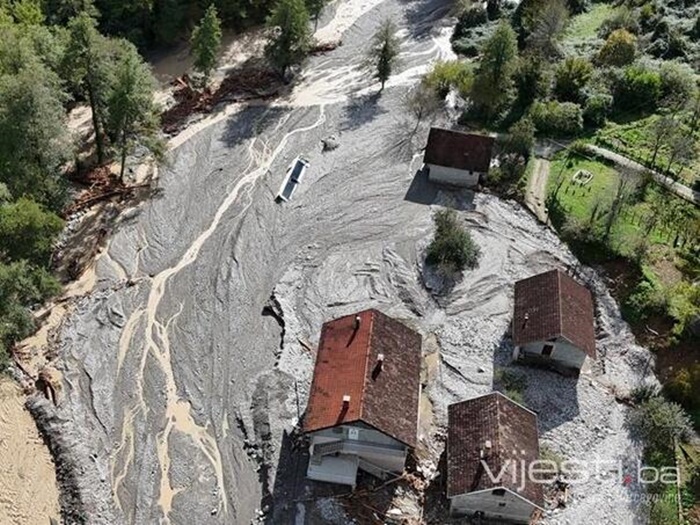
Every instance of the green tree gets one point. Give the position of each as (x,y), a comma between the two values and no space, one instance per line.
(531,79)
(544,23)
(571,77)
(383,52)
(291,38)
(206,42)
(452,249)
(88,63)
(677,85)
(638,87)
(34,141)
(660,422)
(133,115)
(493,79)
(661,129)
(557,118)
(619,48)
(520,139)
(27,231)
(28,12)
(314,7)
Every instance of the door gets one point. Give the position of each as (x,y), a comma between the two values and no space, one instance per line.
(547,350)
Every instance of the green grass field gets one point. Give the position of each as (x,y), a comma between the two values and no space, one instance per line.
(585,26)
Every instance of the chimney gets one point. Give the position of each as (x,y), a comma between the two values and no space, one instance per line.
(484,452)
(346,400)
(380,360)
(358,320)
(526,318)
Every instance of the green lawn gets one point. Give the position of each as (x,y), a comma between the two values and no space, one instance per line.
(579,200)
(585,26)
(635,140)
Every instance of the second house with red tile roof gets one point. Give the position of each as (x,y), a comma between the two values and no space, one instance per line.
(363,404)
(553,321)
(457,158)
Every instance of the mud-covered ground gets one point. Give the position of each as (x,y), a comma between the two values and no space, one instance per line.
(182,368)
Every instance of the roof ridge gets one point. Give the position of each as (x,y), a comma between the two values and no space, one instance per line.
(368,351)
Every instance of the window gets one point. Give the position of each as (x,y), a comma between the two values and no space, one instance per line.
(498,492)
(547,350)
(502,504)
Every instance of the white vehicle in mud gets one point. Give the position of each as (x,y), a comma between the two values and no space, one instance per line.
(292,178)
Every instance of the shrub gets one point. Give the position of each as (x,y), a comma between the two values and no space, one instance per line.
(472,17)
(597,109)
(452,249)
(639,86)
(520,139)
(623,18)
(571,77)
(684,387)
(513,384)
(446,75)
(531,79)
(557,118)
(677,84)
(659,422)
(649,297)
(27,231)
(619,48)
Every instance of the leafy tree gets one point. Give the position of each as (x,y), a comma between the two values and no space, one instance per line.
(87,60)
(315,7)
(638,87)
(661,129)
(557,118)
(660,422)
(682,149)
(531,79)
(619,49)
(520,139)
(27,231)
(493,77)
(28,12)
(291,40)
(677,85)
(133,116)
(384,51)
(597,108)
(446,75)
(206,42)
(571,77)
(33,138)
(452,249)
(544,23)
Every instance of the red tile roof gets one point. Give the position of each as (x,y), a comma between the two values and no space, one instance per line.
(552,305)
(512,432)
(384,397)
(455,149)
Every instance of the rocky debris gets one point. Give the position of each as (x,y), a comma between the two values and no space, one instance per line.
(85,496)
(330,143)
(321,48)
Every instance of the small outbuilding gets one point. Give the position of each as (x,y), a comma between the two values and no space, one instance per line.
(492,442)
(363,404)
(457,158)
(553,321)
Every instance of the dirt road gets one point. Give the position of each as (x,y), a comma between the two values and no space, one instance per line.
(180,387)
(536,193)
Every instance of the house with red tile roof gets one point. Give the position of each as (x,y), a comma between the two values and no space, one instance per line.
(492,449)
(363,403)
(553,321)
(457,158)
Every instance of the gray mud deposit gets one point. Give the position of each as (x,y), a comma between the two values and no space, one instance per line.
(181,388)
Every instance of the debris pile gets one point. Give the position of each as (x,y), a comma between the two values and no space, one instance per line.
(101,185)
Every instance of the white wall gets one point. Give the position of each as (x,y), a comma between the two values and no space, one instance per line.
(443,175)
(564,352)
(507,507)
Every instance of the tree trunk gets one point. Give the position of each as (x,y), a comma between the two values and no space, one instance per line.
(99,138)
(382,88)
(123,146)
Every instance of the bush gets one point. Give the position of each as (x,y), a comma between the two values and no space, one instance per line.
(623,18)
(519,140)
(452,249)
(557,118)
(619,49)
(597,109)
(571,77)
(639,87)
(446,75)
(648,298)
(27,231)
(684,387)
(472,17)
(659,422)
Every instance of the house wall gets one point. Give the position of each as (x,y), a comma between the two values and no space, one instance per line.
(564,352)
(508,507)
(367,443)
(444,175)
